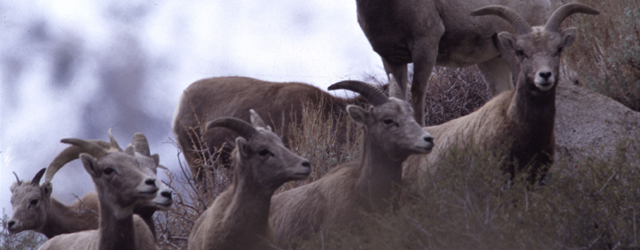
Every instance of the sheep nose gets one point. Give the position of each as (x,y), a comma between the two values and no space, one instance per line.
(306,164)
(150,181)
(428,139)
(545,75)
(166,193)
(11,223)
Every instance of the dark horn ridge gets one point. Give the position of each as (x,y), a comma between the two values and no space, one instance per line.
(553,24)
(241,127)
(521,25)
(370,92)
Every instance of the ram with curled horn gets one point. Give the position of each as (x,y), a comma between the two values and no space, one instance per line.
(519,121)
(391,134)
(239,216)
(122,185)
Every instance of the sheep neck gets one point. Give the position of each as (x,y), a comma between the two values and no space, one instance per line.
(380,178)
(115,233)
(62,219)
(147,216)
(532,110)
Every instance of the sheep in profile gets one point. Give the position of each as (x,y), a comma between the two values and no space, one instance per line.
(520,120)
(437,32)
(35,209)
(239,217)
(370,184)
(280,104)
(121,186)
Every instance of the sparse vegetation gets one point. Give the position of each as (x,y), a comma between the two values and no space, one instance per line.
(606,55)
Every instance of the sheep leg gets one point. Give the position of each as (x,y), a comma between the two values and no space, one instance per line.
(497,74)
(424,61)
(399,72)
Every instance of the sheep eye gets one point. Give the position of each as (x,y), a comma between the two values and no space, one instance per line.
(108,171)
(34,202)
(264,152)
(387,121)
(559,51)
(520,52)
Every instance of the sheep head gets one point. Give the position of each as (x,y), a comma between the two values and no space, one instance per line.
(29,201)
(389,123)
(260,155)
(121,182)
(537,49)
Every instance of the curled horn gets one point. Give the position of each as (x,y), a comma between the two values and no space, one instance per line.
(114,143)
(91,148)
(140,144)
(241,127)
(394,88)
(521,25)
(36,179)
(553,24)
(17,179)
(373,94)
(69,154)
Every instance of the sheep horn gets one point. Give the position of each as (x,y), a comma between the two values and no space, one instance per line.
(141,145)
(394,88)
(371,93)
(241,127)
(17,179)
(114,143)
(256,120)
(69,154)
(89,147)
(36,179)
(521,25)
(553,24)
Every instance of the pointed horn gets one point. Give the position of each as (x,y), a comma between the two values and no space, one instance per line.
(69,154)
(521,25)
(140,144)
(17,179)
(241,127)
(256,121)
(553,24)
(114,143)
(36,179)
(370,92)
(394,88)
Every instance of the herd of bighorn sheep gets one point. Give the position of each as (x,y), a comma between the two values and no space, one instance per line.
(252,118)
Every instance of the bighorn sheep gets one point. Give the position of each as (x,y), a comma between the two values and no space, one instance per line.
(521,120)
(239,217)
(391,135)
(35,209)
(121,186)
(439,32)
(280,104)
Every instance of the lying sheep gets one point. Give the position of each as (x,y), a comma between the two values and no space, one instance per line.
(520,120)
(370,184)
(238,218)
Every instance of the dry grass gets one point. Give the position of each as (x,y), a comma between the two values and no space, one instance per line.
(606,54)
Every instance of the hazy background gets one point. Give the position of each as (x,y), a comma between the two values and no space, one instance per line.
(76,68)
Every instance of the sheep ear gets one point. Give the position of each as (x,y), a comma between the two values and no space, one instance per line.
(46,189)
(507,40)
(13,187)
(568,37)
(156,159)
(243,147)
(90,164)
(358,114)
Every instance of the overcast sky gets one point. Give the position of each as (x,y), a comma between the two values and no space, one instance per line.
(76,68)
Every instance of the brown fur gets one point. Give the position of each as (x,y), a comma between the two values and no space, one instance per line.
(441,32)
(280,104)
(369,184)
(238,218)
(519,121)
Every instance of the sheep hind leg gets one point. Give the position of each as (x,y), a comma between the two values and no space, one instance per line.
(497,74)
(399,72)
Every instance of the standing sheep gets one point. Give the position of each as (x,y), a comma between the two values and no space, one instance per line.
(239,217)
(370,184)
(521,120)
(440,32)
